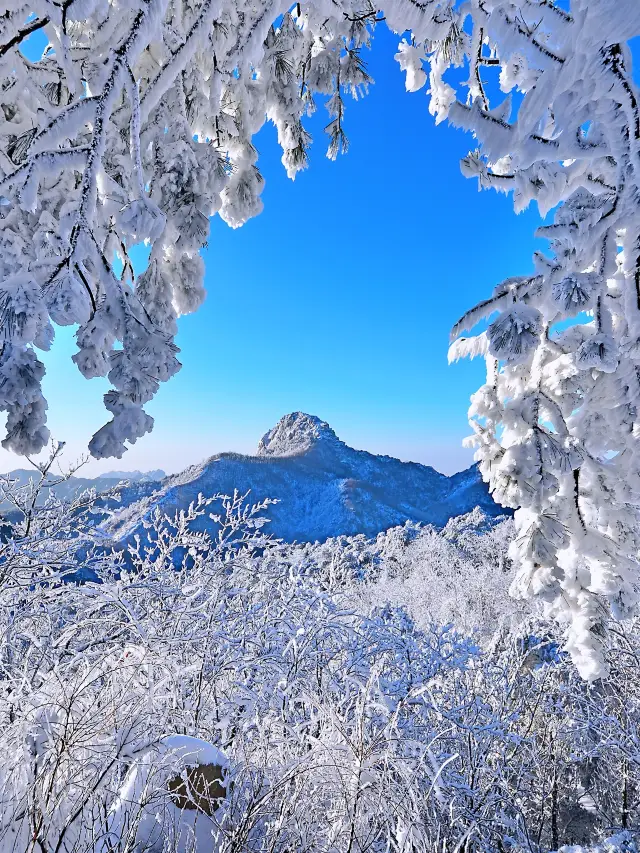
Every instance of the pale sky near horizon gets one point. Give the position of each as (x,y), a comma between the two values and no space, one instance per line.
(337,300)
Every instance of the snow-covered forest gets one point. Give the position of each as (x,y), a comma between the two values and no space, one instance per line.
(207,688)
(232,693)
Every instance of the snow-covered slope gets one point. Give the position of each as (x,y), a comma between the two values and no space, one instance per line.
(324,487)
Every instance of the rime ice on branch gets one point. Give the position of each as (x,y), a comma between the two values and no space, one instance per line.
(556,424)
(136,124)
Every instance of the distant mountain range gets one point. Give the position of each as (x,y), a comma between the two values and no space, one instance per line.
(136,476)
(74,486)
(324,488)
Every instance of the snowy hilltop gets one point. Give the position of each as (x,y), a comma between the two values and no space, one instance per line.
(324,488)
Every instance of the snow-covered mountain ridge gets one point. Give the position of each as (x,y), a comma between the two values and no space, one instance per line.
(324,488)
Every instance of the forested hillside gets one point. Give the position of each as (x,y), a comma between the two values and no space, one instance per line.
(357,694)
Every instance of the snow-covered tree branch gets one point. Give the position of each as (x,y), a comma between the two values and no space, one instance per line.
(136,125)
(556,425)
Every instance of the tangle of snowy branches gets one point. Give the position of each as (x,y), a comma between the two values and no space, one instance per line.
(338,731)
(136,125)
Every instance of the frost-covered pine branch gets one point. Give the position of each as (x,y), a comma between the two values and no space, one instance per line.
(555,111)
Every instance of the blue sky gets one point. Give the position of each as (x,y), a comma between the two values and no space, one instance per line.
(337,300)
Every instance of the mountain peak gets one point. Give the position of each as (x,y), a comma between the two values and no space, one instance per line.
(296,433)
(322,487)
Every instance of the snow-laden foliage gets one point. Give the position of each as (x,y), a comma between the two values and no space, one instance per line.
(556,425)
(136,125)
(334,730)
(459,576)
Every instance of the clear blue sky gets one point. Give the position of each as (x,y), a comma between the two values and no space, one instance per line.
(337,300)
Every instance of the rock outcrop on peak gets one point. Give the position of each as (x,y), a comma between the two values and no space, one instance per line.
(297,433)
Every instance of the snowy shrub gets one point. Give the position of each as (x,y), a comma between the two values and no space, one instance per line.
(336,728)
(459,576)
